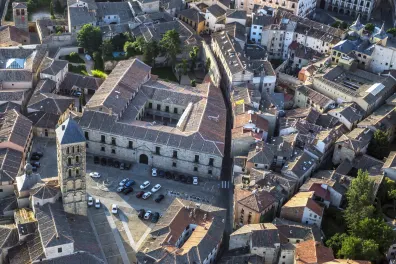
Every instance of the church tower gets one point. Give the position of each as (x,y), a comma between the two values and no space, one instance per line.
(20,15)
(71,156)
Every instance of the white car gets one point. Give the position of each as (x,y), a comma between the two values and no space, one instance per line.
(90,201)
(97,203)
(156,188)
(146,195)
(145,185)
(195,180)
(114,209)
(95,174)
(122,183)
(120,188)
(154,172)
(147,215)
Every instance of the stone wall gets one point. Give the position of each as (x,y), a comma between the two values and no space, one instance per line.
(214,71)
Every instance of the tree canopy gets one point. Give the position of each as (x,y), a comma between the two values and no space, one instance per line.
(392,31)
(379,145)
(90,38)
(107,49)
(369,27)
(194,56)
(150,52)
(170,44)
(99,64)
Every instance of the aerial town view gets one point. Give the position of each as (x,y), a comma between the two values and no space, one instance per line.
(198,131)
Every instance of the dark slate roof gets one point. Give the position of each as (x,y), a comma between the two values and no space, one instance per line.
(69,132)
(236,30)
(52,224)
(43,119)
(191,14)
(8,236)
(8,203)
(53,67)
(19,5)
(15,127)
(44,191)
(16,75)
(265,238)
(26,182)
(216,10)
(45,86)
(80,257)
(115,8)
(246,259)
(236,14)
(10,161)
(80,16)
(50,103)
(9,106)
(80,81)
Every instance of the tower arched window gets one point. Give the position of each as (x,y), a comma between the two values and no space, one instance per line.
(70,173)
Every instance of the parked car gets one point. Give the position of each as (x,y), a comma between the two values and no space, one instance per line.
(38,153)
(189,179)
(127,190)
(120,188)
(103,161)
(76,93)
(161,174)
(168,175)
(96,160)
(154,172)
(114,209)
(145,185)
(155,217)
(127,166)
(139,194)
(88,57)
(142,212)
(97,203)
(35,163)
(177,177)
(35,157)
(110,162)
(122,166)
(116,164)
(195,180)
(156,188)
(183,178)
(129,183)
(146,195)
(147,216)
(123,182)
(95,174)
(159,198)
(90,201)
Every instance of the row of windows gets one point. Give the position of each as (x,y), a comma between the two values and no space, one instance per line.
(175,109)
(70,150)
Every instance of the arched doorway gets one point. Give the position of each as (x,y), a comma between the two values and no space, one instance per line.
(143,159)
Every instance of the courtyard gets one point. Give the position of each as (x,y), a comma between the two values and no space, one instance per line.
(120,236)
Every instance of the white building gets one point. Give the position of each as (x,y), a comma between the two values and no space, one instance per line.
(215,18)
(54,70)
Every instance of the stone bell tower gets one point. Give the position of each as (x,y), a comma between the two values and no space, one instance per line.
(71,157)
(20,15)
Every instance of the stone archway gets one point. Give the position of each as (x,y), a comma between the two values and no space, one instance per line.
(143,159)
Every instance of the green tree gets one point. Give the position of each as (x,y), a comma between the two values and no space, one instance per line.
(335,242)
(392,196)
(119,40)
(376,230)
(90,38)
(129,49)
(99,74)
(360,197)
(150,52)
(58,7)
(31,5)
(52,10)
(336,24)
(357,248)
(369,27)
(139,44)
(170,44)
(99,64)
(344,25)
(207,65)
(392,31)
(107,49)
(193,83)
(379,145)
(193,56)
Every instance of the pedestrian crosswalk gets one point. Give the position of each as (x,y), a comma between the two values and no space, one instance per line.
(225,184)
